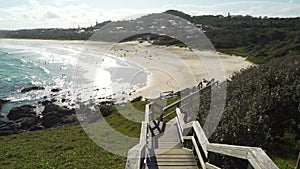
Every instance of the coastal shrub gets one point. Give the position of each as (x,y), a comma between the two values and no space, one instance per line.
(262,108)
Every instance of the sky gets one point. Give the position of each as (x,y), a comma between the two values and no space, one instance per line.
(26,14)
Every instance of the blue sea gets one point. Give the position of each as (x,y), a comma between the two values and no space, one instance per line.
(26,64)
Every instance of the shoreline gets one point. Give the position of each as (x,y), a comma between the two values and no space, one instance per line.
(169,68)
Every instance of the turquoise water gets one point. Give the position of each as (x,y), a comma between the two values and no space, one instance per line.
(25,64)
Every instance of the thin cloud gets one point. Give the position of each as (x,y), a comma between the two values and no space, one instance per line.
(51,15)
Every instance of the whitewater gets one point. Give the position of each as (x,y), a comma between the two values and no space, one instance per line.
(63,67)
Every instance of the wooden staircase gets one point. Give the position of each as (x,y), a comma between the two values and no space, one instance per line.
(160,143)
(165,149)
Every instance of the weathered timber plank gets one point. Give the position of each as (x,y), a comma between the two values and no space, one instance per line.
(229,150)
(201,137)
(135,156)
(211,166)
(260,160)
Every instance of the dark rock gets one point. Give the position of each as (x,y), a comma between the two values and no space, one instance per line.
(22,111)
(46,102)
(26,122)
(69,119)
(28,89)
(56,110)
(63,100)
(55,115)
(55,90)
(51,121)
(2,102)
(20,125)
(37,127)
(8,128)
(2,123)
(24,118)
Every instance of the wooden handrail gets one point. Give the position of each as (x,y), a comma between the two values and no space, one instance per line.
(255,155)
(177,103)
(138,153)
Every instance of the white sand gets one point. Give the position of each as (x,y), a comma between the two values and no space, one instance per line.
(170,68)
(174,68)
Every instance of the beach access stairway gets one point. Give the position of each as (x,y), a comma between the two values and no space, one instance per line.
(165,149)
(169,140)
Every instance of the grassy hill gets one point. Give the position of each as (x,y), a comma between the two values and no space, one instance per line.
(64,147)
(67,147)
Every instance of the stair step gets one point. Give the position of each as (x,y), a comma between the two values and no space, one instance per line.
(172,151)
(161,137)
(172,167)
(168,163)
(175,160)
(166,149)
(171,141)
(167,145)
(176,156)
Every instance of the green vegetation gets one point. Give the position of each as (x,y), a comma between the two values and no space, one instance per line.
(285,163)
(259,39)
(54,33)
(262,109)
(67,147)
(64,147)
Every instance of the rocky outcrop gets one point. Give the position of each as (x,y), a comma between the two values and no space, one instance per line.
(28,89)
(26,123)
(54,115)
(23,111)
(24,118)
(7,128)
(46,102)
(56,90)
(51,121)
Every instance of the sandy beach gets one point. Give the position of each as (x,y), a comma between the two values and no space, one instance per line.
(174,69)
(169,68)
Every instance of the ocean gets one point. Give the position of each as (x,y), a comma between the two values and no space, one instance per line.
(79,75)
